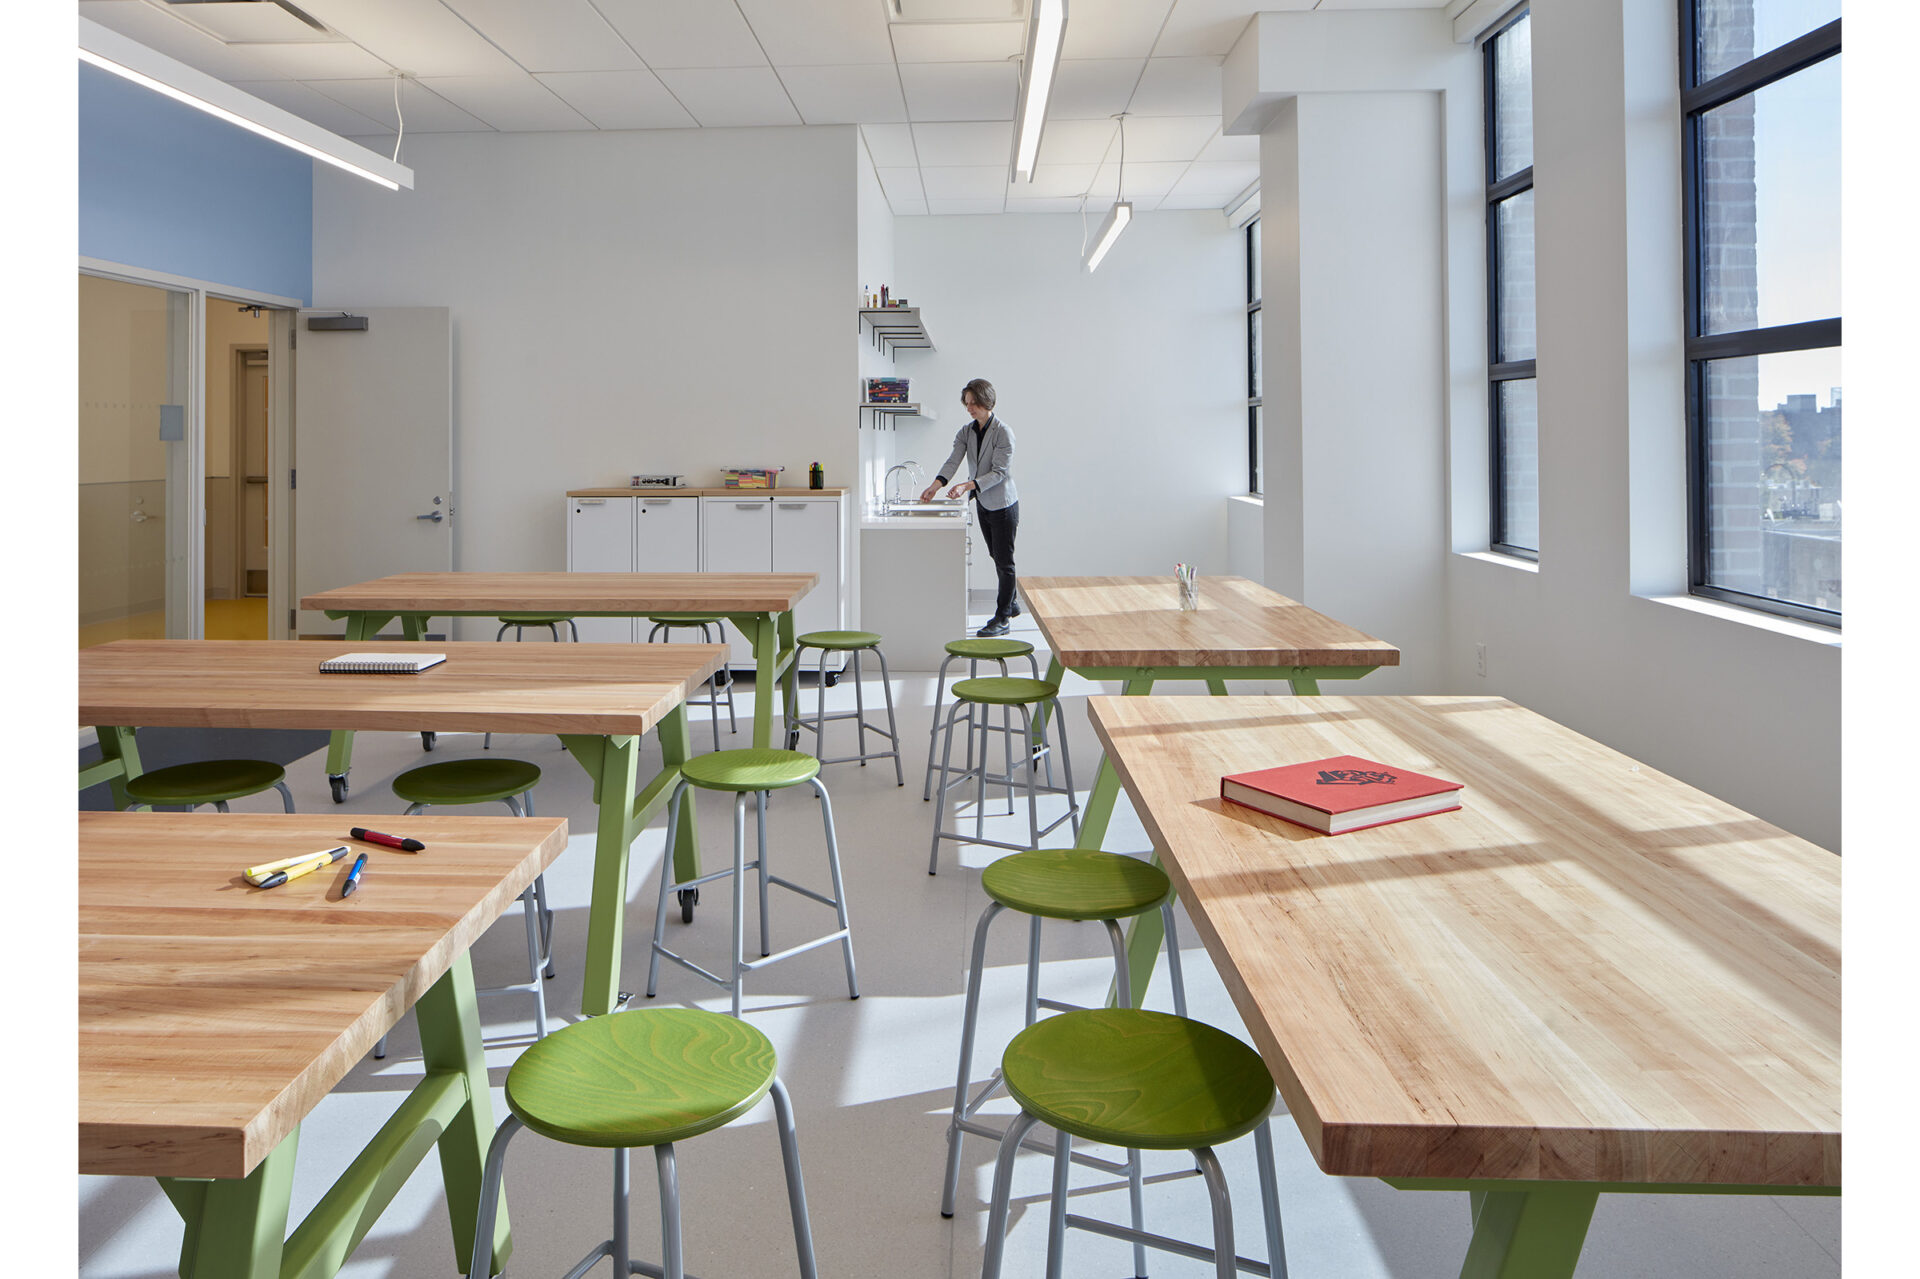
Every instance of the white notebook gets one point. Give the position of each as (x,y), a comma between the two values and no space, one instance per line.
(381,663)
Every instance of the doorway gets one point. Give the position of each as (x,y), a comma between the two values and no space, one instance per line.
(237,570)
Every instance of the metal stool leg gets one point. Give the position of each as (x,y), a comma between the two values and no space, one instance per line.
(796,1184)
(1033,969)
(1066,770)
(1057,1214)
(1173,958)
(839,888)
(1033,789)
(1270,1201)
(530,908)
(481,1267)
(1223,1255)
(713,696)
(1002,1191)
(893,729)
(940,811)
(286,796)
(739,897)
(760,813)
(672,1266)
(859,711)
(967,1024)
(933,727)
(666,888)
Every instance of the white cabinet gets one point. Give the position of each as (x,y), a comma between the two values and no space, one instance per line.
(806,539)
(736,534)
(600,540)
(666,535)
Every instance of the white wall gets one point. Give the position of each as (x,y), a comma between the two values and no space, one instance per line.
(1125,389)
(675,300)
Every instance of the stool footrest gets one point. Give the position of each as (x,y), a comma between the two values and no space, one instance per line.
(1179,1247)
(1044,1145)
(802,889)
(750,964)
(691,967)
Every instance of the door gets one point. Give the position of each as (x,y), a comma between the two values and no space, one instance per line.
(806,539)
(373,458)
(600,540)
(736,536)
(667,535)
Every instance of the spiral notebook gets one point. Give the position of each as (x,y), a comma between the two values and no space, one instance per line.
(381,663)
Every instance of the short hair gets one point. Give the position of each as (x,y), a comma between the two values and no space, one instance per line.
(982,392)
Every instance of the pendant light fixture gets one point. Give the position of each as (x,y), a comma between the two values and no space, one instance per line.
(1046,30)
(1121,214)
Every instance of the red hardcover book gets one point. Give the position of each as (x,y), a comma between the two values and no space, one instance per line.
(1341,794)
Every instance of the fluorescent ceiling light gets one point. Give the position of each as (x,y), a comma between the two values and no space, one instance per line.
(1117,218)
(1046,28)
(111,51)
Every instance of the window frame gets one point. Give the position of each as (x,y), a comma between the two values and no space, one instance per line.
(1255,402)
(1499,190)
(1696,99)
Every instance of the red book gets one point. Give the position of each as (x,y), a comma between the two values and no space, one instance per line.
(1341,794)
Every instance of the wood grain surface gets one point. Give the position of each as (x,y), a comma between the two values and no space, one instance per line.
(581,594)
(1138,621)
(215,1015)
(503,688)
(1589,972)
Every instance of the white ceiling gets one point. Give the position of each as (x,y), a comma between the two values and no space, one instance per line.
(935,100)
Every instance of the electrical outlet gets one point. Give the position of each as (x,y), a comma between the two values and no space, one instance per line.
(1480,660)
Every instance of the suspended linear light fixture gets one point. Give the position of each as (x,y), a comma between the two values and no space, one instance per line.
(1120,214)
(110,51)
(1046,29)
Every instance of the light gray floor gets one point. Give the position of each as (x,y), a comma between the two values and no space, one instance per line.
(872,1079)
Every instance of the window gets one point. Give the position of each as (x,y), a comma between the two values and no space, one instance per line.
(1255,454)
(1512,403)
(1760,90)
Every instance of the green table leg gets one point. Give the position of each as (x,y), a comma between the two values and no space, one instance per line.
(449,1019)
(1528,1234)
(613,763)
(116,744)
(785,647)
(1106,782)
(236,1229)
(1216,686)
(1306,685)
(676,747)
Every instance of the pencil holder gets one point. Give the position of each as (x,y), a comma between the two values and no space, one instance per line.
(1189,596)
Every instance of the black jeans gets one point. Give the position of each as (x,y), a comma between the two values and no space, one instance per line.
(999,527)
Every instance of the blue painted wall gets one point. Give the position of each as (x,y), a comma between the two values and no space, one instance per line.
(169,188)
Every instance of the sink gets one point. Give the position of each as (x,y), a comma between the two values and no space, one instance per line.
(925,510)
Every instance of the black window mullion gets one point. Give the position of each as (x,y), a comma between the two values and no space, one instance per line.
(1499,371)
(1778,64)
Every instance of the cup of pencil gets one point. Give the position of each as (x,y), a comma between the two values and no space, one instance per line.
(1189,582)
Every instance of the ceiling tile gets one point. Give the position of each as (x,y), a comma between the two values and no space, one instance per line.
(901,184)
(821,33)
(845,95)
(1063,181)
(990,143)
(1113,28)
(1043,205)
(1216,183)
(1382,4)
(511,104)
(164,33)
(1093,89)
(726,97)
(554,35)
(960,90)
(965,182)
(342,61)
(239,22)
(1077,141)
(1245,146)
(1178,86)
(1212,26)
(964,205)
(1142,179)
(958,41)
(685,33)
(620,99)
(890,145)
(420,37)
(424,110)
(1171,137)
(312,105)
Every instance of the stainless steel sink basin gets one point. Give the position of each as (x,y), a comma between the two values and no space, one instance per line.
(935,510)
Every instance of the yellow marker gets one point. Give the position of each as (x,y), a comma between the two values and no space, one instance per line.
(295,871)
(267,868)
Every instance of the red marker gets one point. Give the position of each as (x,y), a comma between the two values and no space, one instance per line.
(390,841)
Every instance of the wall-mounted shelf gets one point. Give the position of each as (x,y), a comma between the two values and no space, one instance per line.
(884,414)
(896,328)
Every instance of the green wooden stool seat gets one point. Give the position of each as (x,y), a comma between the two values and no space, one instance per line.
(987,650)
(641,1078)
(685,619)
(1075,883)
(212,781)
(466,781)
(535,619)
(1004,690)
(750,770)
(839,641)
(1145,1080)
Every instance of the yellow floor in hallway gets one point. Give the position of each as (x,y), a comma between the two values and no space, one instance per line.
(242,619)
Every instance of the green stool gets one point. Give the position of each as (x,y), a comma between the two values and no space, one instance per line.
(1010,692)
(853,643)
(1078,884)
(756,773)
(973,652)
(212,781)
(649,1078)
(492,781)
(666,623)
(1144,1081)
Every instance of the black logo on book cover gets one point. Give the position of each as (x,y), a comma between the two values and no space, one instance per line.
(1355,777)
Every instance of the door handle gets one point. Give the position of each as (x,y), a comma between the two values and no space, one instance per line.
(749,506)
(435,516)
(793,506)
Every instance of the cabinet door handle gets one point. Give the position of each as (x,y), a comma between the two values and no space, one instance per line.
(656,501)
(749,506)
(593,501)
(793,506)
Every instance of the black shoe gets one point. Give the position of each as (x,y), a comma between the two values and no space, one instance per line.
(998,626)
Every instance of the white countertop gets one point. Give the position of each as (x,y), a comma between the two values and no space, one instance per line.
(951,523)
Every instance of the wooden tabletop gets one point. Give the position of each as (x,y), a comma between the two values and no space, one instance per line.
(1590,972)
(618,594)
(214,1015)
(504,688)
(1138,621)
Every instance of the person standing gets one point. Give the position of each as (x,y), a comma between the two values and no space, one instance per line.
(987,445)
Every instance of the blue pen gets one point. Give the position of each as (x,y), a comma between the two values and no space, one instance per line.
(353,877)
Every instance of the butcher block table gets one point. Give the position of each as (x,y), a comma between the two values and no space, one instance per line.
(760,606)
(599,699)
(1591,978)
(214,1016)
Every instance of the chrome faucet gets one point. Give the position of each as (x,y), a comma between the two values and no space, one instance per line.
(914,476)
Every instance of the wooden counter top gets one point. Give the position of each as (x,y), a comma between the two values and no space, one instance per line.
(786,494)
(577,594)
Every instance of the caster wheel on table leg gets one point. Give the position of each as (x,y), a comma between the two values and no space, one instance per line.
(426,741)
(689,898)
(339,787)
(833,679)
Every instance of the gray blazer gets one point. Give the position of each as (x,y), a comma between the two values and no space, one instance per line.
(992,473)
